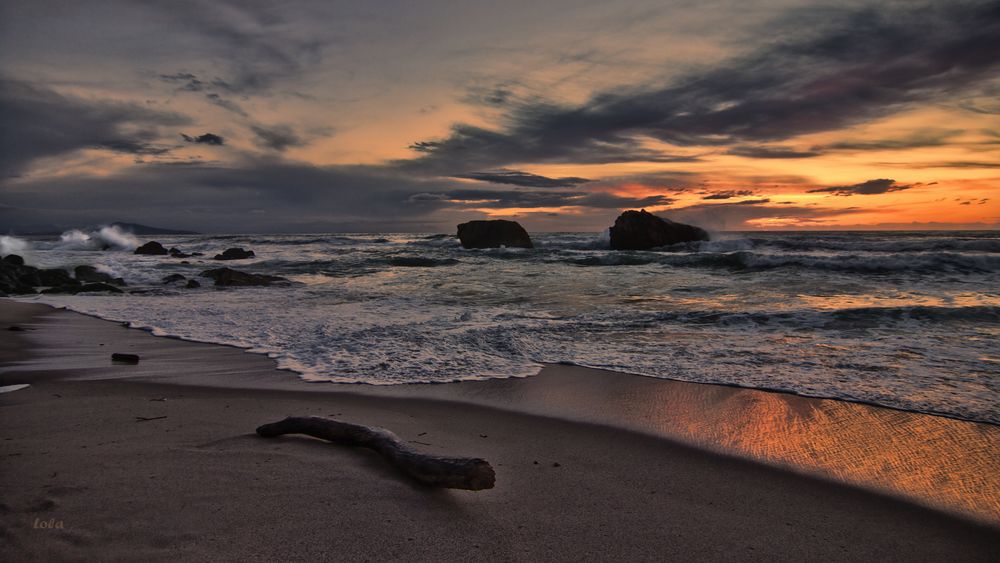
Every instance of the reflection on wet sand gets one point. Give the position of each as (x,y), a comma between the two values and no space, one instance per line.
(936,461)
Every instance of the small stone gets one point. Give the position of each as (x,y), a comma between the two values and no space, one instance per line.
(125,358)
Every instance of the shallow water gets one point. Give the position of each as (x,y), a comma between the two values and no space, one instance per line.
(907,320)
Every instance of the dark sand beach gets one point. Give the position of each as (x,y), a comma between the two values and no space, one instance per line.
(642,469)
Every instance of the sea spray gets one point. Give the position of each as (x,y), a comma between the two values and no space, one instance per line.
(104,238)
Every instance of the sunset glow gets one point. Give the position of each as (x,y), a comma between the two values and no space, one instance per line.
(325,131)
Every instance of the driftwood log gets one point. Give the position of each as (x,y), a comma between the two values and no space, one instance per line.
(471,474)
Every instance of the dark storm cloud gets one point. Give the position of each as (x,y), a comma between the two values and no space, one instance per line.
(36,122)
(495,96)
(132,147)
(470,148)
(260,48)
(728,194)
(277,137)
(525,198)
(750,151)
(226,104)
(527,179)
(207,139)
(871,187)
(258,194)
(848,68)
(919,139)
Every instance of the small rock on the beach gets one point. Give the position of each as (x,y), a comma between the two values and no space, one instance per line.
(173,278)
(125,358)
(192,284)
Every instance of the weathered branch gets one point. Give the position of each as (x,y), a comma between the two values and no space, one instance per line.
(472,474)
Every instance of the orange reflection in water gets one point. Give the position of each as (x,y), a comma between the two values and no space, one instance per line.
(938,461)
(935,461)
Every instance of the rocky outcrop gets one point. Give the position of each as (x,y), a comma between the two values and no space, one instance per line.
(15,277)
(19,279)
(54,277)
(152,248)
(86,288)
(192,284)
(89,274)
(641,230)
(173,278)
(493,234)
(227,277)
(235,254)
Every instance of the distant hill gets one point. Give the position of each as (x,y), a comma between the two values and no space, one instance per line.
(137,229)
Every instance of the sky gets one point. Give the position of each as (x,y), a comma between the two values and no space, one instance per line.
(394,116)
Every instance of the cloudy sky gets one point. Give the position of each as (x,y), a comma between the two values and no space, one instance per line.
(322,115)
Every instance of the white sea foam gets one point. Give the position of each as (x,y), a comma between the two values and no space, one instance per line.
(14,245)
(109,237)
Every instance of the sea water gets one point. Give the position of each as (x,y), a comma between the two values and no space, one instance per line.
(909,320)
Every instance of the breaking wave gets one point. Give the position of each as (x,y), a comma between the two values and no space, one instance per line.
(105,238)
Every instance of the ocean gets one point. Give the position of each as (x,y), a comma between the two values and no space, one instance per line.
(908,320)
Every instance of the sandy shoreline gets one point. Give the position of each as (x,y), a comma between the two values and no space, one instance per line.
(197,485)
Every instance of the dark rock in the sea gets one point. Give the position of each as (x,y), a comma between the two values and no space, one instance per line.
(17,280)
(226,277)
(13,260)
(86,288)
(493,234)
(90,274)
(173,278)
(641,230)
(125,358)
(235,254)
(192,284)
(176,253)
(152,248)
(55,277)
(16,329)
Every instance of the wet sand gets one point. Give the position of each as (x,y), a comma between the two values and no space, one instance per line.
(647,469)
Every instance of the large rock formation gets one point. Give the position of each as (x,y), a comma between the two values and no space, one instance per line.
(235,254)
(493,234)
(152,248)
(225,277)
(15,277)
(640,230)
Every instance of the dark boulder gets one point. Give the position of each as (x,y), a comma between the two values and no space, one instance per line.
(55,277)
(227,277)
(90,274)
(152,248)
(493,234)
(17,280)
(125,358)
(86,288)
(192,284)
(235,254)
(176,253)
(641,230)
(173,278)
(13,260)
